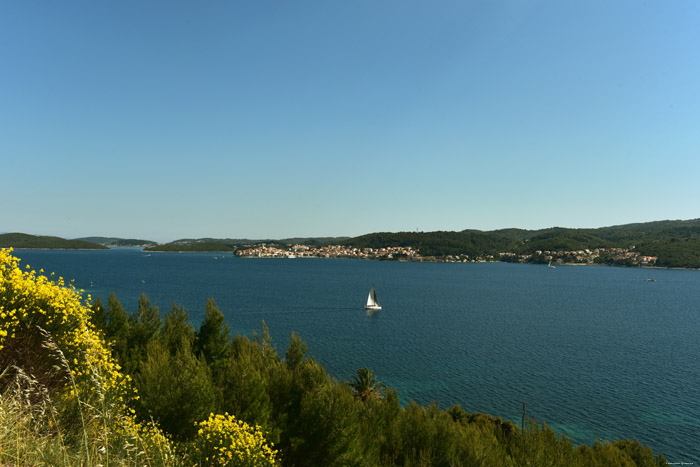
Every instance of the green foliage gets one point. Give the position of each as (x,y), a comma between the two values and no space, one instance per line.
(505,429)
(244,384)
(327,429)
(130,242)
(213,339)
(365,385)
(177,329)
(675,252)
(621,236)
(562,241)
(118,327)
(146,322)
(633,234)
(295,352)
(144,325)
(264,341)
(642,456)
(175,389)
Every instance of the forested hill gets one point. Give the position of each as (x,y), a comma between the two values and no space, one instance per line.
(115,241)
(194,246)
(675,243)
(622,236)
(202,244)
(439,243)
(22,240)
(230,244)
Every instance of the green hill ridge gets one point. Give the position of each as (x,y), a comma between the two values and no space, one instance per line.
(672,243)
(22,240)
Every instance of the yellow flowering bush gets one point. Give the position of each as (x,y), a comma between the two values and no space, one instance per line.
(224,441)
(32,307)
(45,330)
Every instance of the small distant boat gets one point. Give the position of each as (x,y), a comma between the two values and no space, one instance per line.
(372,301)
(649,279)
(550,265)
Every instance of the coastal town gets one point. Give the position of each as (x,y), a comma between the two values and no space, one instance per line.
(329,251)
(610,256)
(616,256)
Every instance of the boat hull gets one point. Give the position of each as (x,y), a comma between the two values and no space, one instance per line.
(373,307)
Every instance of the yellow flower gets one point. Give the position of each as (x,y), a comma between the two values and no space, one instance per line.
(225,441)
(29,302)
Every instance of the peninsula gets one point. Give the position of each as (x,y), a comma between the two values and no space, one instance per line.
(22,240)
(668,244)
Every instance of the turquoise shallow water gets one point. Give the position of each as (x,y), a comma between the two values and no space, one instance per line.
(594,351)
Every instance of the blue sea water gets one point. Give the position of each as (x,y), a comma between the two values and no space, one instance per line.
(597,352)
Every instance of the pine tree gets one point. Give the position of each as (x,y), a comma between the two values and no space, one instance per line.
(295,352)
(213,339)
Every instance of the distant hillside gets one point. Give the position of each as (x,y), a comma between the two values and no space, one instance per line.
(566,240)
(100,240)
(631,234)
(203,244)
(674,243)
(21,240)
(623,236)
(314,241)
(675,252)
(230,244)
(196,246)
(225,241)
(439,243)
(519,235)
(114,241)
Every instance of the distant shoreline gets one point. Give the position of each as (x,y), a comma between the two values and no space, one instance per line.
(49,249)
(401,260)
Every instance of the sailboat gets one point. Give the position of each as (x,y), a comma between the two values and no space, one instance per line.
(550,265)
(372,301)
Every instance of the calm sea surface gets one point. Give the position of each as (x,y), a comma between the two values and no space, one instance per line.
(597,352)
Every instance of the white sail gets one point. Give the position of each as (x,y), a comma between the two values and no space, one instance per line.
(372,301)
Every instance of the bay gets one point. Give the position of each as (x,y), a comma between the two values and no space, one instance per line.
(597,352)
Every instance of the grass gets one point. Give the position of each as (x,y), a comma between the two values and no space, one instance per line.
(38,430)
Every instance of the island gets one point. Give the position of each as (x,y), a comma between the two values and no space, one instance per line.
(26,241)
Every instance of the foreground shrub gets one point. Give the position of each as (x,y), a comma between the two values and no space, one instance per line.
(59,381)
(224,441)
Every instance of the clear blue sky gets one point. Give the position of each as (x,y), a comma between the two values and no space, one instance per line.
(171,119)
